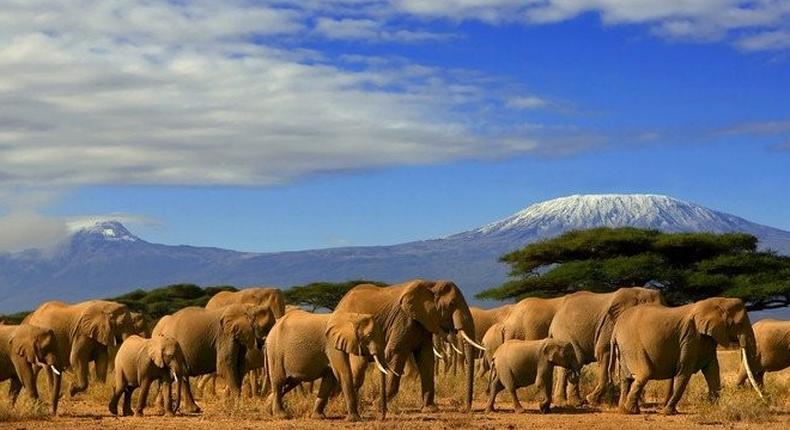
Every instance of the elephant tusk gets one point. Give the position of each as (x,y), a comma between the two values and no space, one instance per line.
(55,370)
(393,372)
(750,374)
(456,349)
(471,342)
(173,372)
(438,354)
(379,366)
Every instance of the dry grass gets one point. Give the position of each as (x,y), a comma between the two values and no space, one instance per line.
(736,408)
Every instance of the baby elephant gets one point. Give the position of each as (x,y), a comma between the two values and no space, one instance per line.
(520,363)
(138,363)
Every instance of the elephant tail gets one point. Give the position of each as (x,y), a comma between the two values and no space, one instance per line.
(614,356)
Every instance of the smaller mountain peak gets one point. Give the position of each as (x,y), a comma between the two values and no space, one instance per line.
(110,230)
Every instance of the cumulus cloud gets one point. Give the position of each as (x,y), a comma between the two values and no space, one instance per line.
(27,229)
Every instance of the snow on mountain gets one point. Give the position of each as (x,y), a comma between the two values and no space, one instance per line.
(104,259)
(614,210)
(105,229)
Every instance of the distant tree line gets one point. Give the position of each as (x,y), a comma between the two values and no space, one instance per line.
(158,302)
(685,266)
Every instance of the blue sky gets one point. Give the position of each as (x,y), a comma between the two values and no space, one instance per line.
(278,126)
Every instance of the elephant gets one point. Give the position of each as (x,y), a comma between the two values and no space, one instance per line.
(271,298)
(485,318)
(303,347)
(773,349)
(409,315)
(521,363)
(138,324)
(680,342)
(140,362)
(84,332)
(212,340)
(586,319)
(529,319)
(23,348)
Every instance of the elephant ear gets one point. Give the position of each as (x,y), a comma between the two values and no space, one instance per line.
(554,352)
(343,335)
(711,320)
(24,346)
(622,299)
(156,351)
(95,324)
(418,303)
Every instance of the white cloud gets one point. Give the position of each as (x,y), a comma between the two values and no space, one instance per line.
(170,93)
(526,102)
(27,230)
(369,30)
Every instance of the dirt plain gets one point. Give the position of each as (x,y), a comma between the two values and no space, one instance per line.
(736,409)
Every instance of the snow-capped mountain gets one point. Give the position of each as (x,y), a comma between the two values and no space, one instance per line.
(104,259)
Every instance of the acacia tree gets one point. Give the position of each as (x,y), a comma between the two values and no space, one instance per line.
(685,266)
(322,295)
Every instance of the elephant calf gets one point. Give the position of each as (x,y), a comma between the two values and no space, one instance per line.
(140,362)
(520,363)
(773,349)
(303,347)
(23,348)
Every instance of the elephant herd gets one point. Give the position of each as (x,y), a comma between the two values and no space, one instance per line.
(252,336)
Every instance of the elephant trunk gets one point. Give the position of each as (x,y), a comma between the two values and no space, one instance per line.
(383,395)
(464,324)
(56,380)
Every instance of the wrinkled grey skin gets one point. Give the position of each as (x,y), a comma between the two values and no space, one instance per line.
(520,363)
(586,320)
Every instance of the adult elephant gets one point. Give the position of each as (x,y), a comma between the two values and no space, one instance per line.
(212,340)
(409,315)
(304,346)
(84,332)
(23,348)
(773,349)
(680,341)
(586,320)
(485,318)
(271,298)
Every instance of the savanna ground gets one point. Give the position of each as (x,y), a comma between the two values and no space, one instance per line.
(737,408)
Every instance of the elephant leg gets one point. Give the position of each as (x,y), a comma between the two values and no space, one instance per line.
(117,391)
(670,390)
(679,387)
(516,403)
(328,383)
(741,379)
(561,386)
(81,382)
(127,401)
(101,364)
(341,367)
(280,389)
(625,388)
(253,381)
(166,387)
(144,387)
(358,367)
(493,389)
(398,363)
(634,394)
(544,382)
(190,405)
(594,398)
(14,389)
(713,379)
(425,361)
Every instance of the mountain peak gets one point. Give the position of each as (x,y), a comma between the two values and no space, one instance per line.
(584,211)
(109,230)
